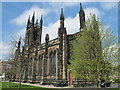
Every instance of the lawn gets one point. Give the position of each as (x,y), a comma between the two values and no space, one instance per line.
(14,86)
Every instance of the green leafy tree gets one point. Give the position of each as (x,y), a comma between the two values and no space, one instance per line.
(93,51)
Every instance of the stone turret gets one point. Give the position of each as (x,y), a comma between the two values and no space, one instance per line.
(27,32)
(81,17)
(46,58)
(39,32)
(62,29)
(32,31)
(62,35)
(46,43)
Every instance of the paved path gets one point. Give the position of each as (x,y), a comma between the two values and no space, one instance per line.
(67,87)
(45,86)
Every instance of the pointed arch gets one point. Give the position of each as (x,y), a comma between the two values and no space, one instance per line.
(40,64)
(52,56)
(54,62)
(30,67)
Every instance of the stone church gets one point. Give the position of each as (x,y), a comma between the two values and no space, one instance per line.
(45,63)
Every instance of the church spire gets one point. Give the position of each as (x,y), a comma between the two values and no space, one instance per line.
(81,17)
(33,18)
(28,23)
(62,19)
(41,21)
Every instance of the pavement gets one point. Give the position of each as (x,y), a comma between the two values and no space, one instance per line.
(68,87)
(44,86)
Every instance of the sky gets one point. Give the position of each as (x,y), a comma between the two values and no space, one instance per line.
(15,16)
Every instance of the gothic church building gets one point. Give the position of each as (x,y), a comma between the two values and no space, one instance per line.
(45,62)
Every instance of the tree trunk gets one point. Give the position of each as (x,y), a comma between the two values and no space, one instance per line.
(9,83)
(99,83)
(19,83)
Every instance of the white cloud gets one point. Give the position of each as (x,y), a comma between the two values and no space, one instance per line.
(6,51)
(93,10)
(4,48)
(56,6)
(22,19)
(51,30)
(21,33)
(109,5)
(62,4)
(71,23)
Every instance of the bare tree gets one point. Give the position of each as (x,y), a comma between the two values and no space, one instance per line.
(12,60)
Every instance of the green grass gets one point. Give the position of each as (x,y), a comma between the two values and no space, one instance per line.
(14,86)
(0,85)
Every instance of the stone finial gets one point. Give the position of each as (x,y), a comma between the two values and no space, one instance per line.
(33,17)
(47,37)
(62,19)
(81,7)
(62,15)
(36,21)
(28,22)
(81,17)
(19,42)
(41,21)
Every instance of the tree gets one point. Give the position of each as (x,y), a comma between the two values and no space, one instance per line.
(14,61)
(3,66)
(93,54)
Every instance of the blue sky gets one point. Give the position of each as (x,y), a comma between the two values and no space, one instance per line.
(15,15)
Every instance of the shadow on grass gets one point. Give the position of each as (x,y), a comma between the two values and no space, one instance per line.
(14,86)
(28,89)
(61,89)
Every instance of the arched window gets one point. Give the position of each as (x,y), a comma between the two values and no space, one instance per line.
(30,66)
(52,63)
(51,55)
(40,65)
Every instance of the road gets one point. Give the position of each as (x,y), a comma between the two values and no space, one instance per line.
(92,88)
(112,86)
